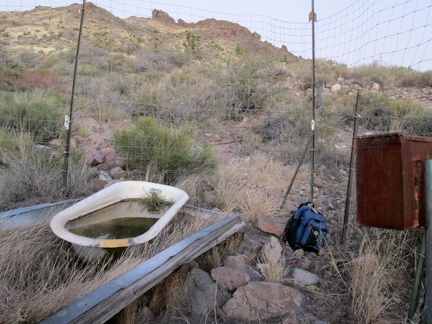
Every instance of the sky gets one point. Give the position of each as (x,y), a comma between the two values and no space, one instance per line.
(289,10)
(353,32)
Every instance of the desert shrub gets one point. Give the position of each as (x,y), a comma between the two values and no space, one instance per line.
(170,152)
(326,71)
(43,81)
(9,144)
(89,70)
(284,126)
(391,76)
(11,66)
(193,42)
(419,125)
(120,64)
(30,175)
(374,72)
(381,113)
(38,113)
(245,85)
(425,79)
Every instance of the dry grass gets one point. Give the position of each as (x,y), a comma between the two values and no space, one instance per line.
(275,270)
(373,273)
(377,273)
(31,176)
(36,267)
(255,185)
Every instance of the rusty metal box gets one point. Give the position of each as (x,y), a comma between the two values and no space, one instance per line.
(390,180)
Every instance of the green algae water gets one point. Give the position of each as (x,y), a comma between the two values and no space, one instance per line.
(118,228)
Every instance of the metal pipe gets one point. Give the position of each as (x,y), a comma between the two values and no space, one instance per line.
(68,119)
(349,185)
(295,174)
(312,17)
(428,183)
(415,296)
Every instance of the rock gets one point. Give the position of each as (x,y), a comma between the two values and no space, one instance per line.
(305,278)
(336,87)
(229,278)
(103,167)
(235,262)
(104,176)
(110,161)
(303,264)
(96,158)
(255,276)
(98,184)
(162,16)
(203,291)
(263,300)
(318,182)
(272,251)
(117,173)
(272,225)
(108,150)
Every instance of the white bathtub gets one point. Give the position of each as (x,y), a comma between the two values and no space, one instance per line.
(110,203)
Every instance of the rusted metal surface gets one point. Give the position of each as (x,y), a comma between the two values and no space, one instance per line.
(390,180)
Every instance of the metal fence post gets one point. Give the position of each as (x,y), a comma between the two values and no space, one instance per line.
(428,182)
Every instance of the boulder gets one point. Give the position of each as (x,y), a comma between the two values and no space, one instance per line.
(235,262)
(272,225)
(203,291)
(336,87)
(229,278)
(263,300)
(305,278)
(272,251)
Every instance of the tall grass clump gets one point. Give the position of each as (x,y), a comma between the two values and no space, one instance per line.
(36,268)
(28,175)
(149,145)
(377,274)
(370,276)
(38,113)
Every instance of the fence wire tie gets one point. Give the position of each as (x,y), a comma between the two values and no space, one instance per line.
(67,122)
(357,115)
(313,125)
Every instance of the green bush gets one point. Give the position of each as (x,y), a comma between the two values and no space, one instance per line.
(172,153)
(246,85)
(38,113)
(8,145)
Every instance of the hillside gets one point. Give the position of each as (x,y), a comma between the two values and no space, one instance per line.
(212,109)
(46,31)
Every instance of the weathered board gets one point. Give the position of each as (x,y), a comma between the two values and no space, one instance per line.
(106,301)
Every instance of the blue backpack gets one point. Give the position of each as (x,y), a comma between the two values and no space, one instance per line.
(307,229)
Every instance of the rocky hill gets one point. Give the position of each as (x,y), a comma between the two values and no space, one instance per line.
(45,31)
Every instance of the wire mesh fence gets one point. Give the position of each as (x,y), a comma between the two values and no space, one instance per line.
(257,99)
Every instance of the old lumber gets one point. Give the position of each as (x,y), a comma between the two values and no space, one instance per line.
(106,301)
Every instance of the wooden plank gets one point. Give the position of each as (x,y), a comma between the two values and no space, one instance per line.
(106,301)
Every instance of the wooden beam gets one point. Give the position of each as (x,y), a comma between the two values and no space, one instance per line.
(106,301)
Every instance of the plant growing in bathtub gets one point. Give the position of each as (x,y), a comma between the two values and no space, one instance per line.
(154,202)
